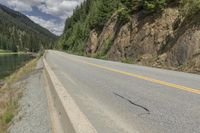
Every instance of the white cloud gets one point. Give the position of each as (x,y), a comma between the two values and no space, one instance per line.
(22,5)
(59,8)
(62,8)
(52,25)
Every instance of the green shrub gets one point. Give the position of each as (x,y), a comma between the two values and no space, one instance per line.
(132,5)
(152,5)
(123,15)
(127,60)
(190,7)
(7,117)
(149,5)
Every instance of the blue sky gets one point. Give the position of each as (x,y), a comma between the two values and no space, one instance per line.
(50,14)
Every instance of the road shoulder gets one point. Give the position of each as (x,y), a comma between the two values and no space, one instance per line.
(33,116)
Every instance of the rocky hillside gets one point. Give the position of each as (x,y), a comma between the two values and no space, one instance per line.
(19,33)
(163,35)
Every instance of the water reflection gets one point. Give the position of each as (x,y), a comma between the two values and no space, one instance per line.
(9,63)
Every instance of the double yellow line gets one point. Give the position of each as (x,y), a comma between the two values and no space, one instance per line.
(180,87)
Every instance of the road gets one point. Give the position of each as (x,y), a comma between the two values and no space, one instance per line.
(124,98)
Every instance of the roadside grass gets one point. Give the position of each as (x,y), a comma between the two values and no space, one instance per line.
(3,52)
(127,61)
(99,55)
(8,52)
(12,53)
(10,95)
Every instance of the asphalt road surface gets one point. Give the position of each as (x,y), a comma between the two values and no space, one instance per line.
(124,98)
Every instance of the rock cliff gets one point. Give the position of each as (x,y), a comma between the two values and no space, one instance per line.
(166,40)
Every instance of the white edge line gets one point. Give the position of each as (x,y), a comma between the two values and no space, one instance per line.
(79,121)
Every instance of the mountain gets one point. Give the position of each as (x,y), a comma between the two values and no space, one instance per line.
(19,33)
(159,33)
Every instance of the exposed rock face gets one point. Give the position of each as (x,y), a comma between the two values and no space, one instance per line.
(108,32)
(92,42)
(99,42)
(121,43)
(1,84)
(186,51)
(161,40)
(148,35)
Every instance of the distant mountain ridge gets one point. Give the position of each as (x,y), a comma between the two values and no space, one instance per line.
(19,33)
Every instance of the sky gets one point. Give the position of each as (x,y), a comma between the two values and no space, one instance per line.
(50,14)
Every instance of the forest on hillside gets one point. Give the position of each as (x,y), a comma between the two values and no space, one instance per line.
(93,14)
(19,33)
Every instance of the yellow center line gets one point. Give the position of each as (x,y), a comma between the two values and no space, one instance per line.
(181,87)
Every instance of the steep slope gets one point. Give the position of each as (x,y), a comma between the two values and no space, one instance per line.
(19,33)
(164,41)
(92,14)
(159,34)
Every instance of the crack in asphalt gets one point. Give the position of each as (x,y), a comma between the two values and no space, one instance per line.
(147,110)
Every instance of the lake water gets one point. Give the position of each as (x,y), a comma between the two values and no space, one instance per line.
(10,63)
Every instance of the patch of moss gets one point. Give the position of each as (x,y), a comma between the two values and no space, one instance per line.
(7,117)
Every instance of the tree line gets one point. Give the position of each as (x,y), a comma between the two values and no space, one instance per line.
(93,14)
(19,33)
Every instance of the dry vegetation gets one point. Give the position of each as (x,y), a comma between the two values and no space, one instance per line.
(10,95)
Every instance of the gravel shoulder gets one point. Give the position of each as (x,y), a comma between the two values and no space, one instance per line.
(33,116)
